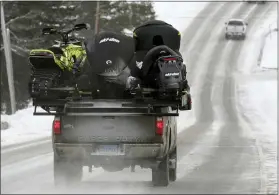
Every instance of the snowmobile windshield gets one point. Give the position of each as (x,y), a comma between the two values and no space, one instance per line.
(151,32)
(111,54)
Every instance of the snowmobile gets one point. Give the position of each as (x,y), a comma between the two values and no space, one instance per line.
(57,67)
(162,72)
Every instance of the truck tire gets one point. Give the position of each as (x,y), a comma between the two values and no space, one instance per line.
(172,171)
(160,175)
(66,172)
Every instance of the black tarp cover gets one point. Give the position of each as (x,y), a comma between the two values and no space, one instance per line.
(110,53)
(144,34)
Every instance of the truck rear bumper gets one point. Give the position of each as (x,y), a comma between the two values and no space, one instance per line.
(126,151)
(235,34)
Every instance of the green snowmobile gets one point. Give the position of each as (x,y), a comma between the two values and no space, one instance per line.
(57,67)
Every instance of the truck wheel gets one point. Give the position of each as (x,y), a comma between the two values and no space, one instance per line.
(160,175)
(66,172)
(189,101)
(172,171)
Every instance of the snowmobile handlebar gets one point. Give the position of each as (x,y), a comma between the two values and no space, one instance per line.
(65,33)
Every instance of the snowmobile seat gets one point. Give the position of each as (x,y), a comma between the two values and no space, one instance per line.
(46,58)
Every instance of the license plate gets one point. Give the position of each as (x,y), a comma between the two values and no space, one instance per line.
(109,150)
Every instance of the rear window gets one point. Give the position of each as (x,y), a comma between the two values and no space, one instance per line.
(236,23)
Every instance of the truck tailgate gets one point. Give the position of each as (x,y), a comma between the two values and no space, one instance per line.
(109,129)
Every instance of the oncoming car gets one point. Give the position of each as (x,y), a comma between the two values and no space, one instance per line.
(235,28)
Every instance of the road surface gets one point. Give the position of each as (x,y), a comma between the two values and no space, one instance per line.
(218,153)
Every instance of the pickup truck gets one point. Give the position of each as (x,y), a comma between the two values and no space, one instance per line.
(236,28)
(115,134)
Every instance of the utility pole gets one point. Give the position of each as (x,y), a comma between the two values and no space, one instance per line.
(8,57)
(97,17)
(130,15)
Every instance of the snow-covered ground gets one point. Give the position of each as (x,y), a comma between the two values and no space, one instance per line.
(258,99)
(26,127)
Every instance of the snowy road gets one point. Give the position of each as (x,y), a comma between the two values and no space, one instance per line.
(218,151)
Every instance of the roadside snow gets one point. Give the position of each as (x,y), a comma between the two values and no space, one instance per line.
(259,104)
(25,127)
(260,100)
(252,52)
(269,58)
(257,90)
(178,14)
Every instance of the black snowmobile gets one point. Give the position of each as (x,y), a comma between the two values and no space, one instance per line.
(160,71)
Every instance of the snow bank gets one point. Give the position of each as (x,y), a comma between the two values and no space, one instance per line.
(259,105)
(269,56)
(178,14)
(25,127)
(260,102)
(257,92)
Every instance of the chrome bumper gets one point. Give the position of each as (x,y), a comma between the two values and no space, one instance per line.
(235,34)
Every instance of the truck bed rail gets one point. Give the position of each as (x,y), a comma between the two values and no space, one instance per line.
(105,107)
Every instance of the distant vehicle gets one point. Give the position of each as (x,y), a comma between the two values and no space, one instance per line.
(256,1)
(236,28)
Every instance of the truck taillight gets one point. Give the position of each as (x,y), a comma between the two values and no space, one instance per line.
(57,127)
(159,126)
